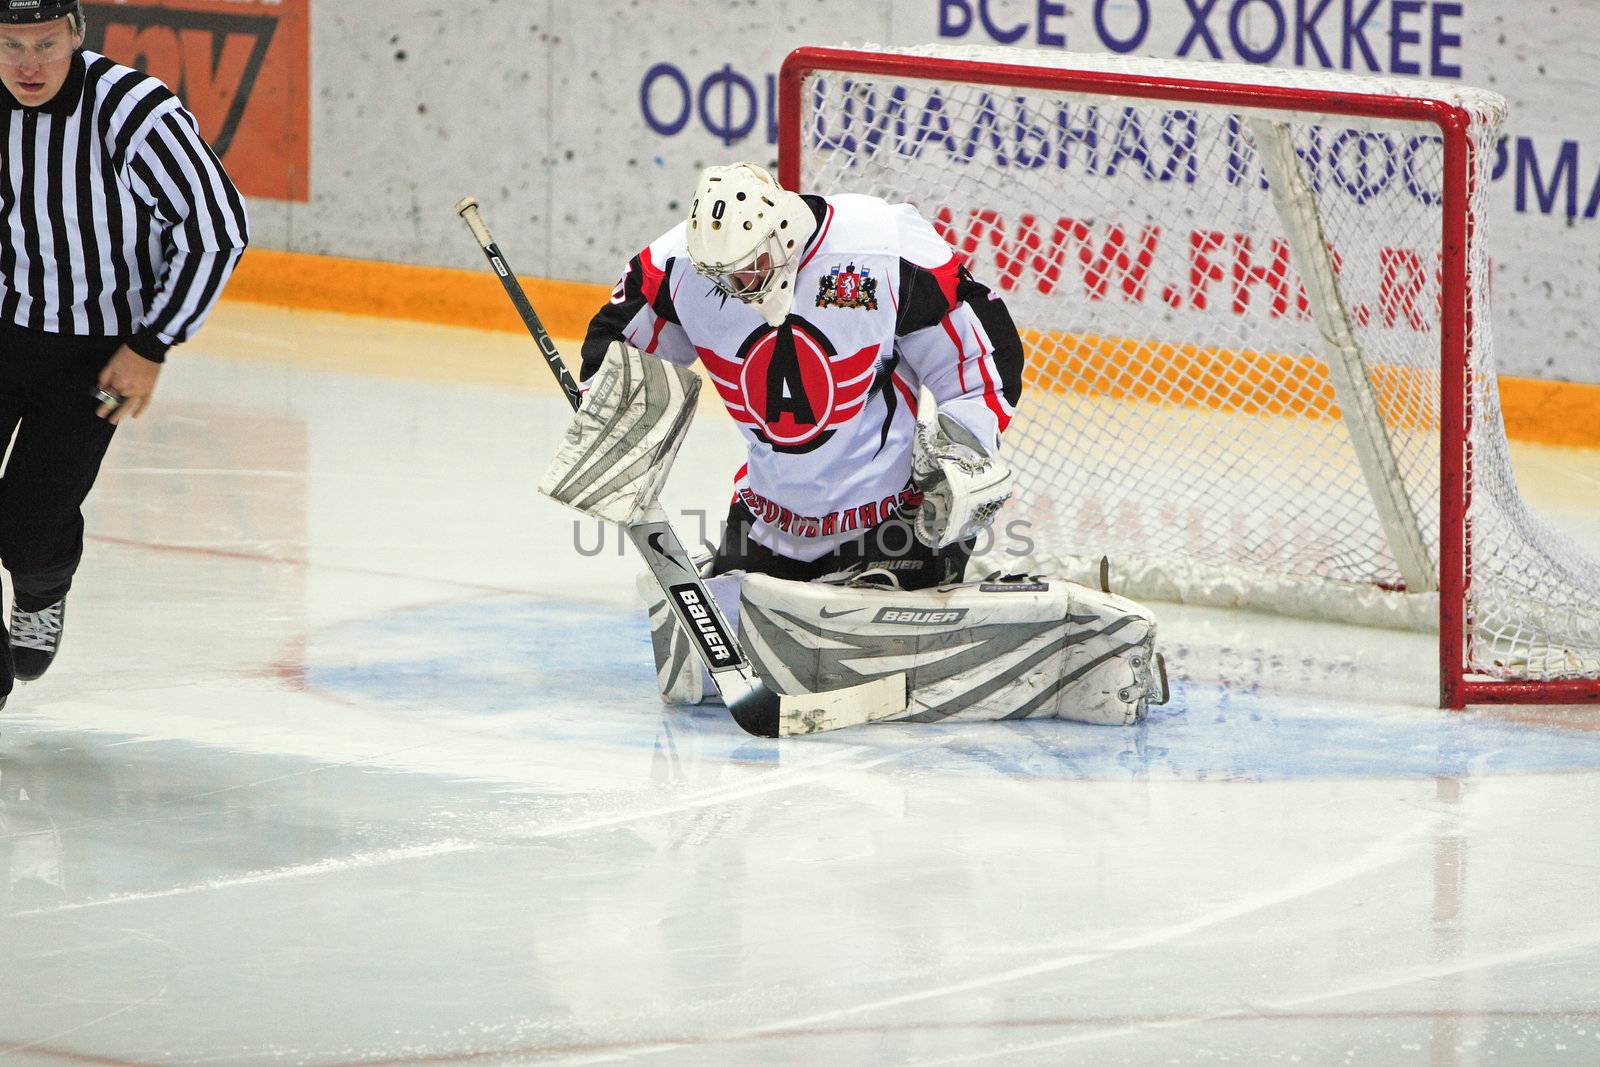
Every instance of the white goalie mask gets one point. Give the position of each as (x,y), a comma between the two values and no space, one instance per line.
(746,233)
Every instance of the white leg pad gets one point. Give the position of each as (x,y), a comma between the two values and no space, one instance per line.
(623,438)
(680,675)
(985,650)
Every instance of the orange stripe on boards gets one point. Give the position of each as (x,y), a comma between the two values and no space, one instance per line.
(1275,384)
(1249,383)
(1551,413)
(405,291)
(1557,413)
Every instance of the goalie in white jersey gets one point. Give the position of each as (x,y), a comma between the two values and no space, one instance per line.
(817,319)
(820,321)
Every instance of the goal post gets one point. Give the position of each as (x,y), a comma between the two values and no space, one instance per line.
(1294,200)
(1255,303)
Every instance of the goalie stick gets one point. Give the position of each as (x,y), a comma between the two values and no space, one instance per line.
(754,705)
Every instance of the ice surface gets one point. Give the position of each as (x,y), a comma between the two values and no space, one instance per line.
(353,756)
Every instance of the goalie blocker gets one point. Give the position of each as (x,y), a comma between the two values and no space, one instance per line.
(624,436)
(1007,649)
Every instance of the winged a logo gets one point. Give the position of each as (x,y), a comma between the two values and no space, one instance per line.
(790,386)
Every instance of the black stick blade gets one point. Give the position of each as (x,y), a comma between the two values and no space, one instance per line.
(756,711)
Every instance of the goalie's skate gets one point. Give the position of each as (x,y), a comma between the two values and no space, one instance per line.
(1150,681)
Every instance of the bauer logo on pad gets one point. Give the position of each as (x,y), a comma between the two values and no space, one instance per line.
(921,616)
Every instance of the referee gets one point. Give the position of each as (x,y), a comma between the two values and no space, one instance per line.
(118,230)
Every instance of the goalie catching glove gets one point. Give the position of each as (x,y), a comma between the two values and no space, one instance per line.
(962,485)
(624,436)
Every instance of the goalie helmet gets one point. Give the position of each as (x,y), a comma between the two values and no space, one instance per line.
(746,233)
(16,12)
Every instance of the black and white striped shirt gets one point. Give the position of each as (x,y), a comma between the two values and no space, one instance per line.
(116,219)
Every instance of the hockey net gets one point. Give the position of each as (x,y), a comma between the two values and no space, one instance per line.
(1255,303)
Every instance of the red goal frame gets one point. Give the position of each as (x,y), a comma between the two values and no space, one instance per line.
(1457,688)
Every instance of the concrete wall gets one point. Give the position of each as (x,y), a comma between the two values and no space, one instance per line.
(538,108)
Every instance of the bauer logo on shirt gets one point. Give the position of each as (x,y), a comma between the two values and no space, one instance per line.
(847,287)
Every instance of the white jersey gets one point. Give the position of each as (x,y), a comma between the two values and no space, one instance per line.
(827,402)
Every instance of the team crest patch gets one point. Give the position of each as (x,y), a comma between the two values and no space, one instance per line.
(847,287)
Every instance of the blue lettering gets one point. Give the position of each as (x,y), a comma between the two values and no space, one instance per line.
(1240,154)
(948,27)
(933,113)
(1048,9)
(1010,36)
(1442,40)
(1087,135)
(874,123)
(730,81)
(646,87)
(1198,16)
(1502,160)
(1130,144)
(871,130)
(1358,172)
(819,121)
(1236,165)
(988,120)
(894,112)
(1565,173)
(1355,34)
(1033,141)
(1399,36)
(772,109)
(1122,44)
(1180,131)
(1311,157)
(1241,45)
(1305,32)
(867,119)
(1422,191)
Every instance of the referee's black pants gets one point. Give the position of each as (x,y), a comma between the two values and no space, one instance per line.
(47,387)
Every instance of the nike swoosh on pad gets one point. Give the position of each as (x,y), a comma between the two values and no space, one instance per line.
(826,614)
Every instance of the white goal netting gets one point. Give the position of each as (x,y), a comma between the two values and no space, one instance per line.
(1235,306)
